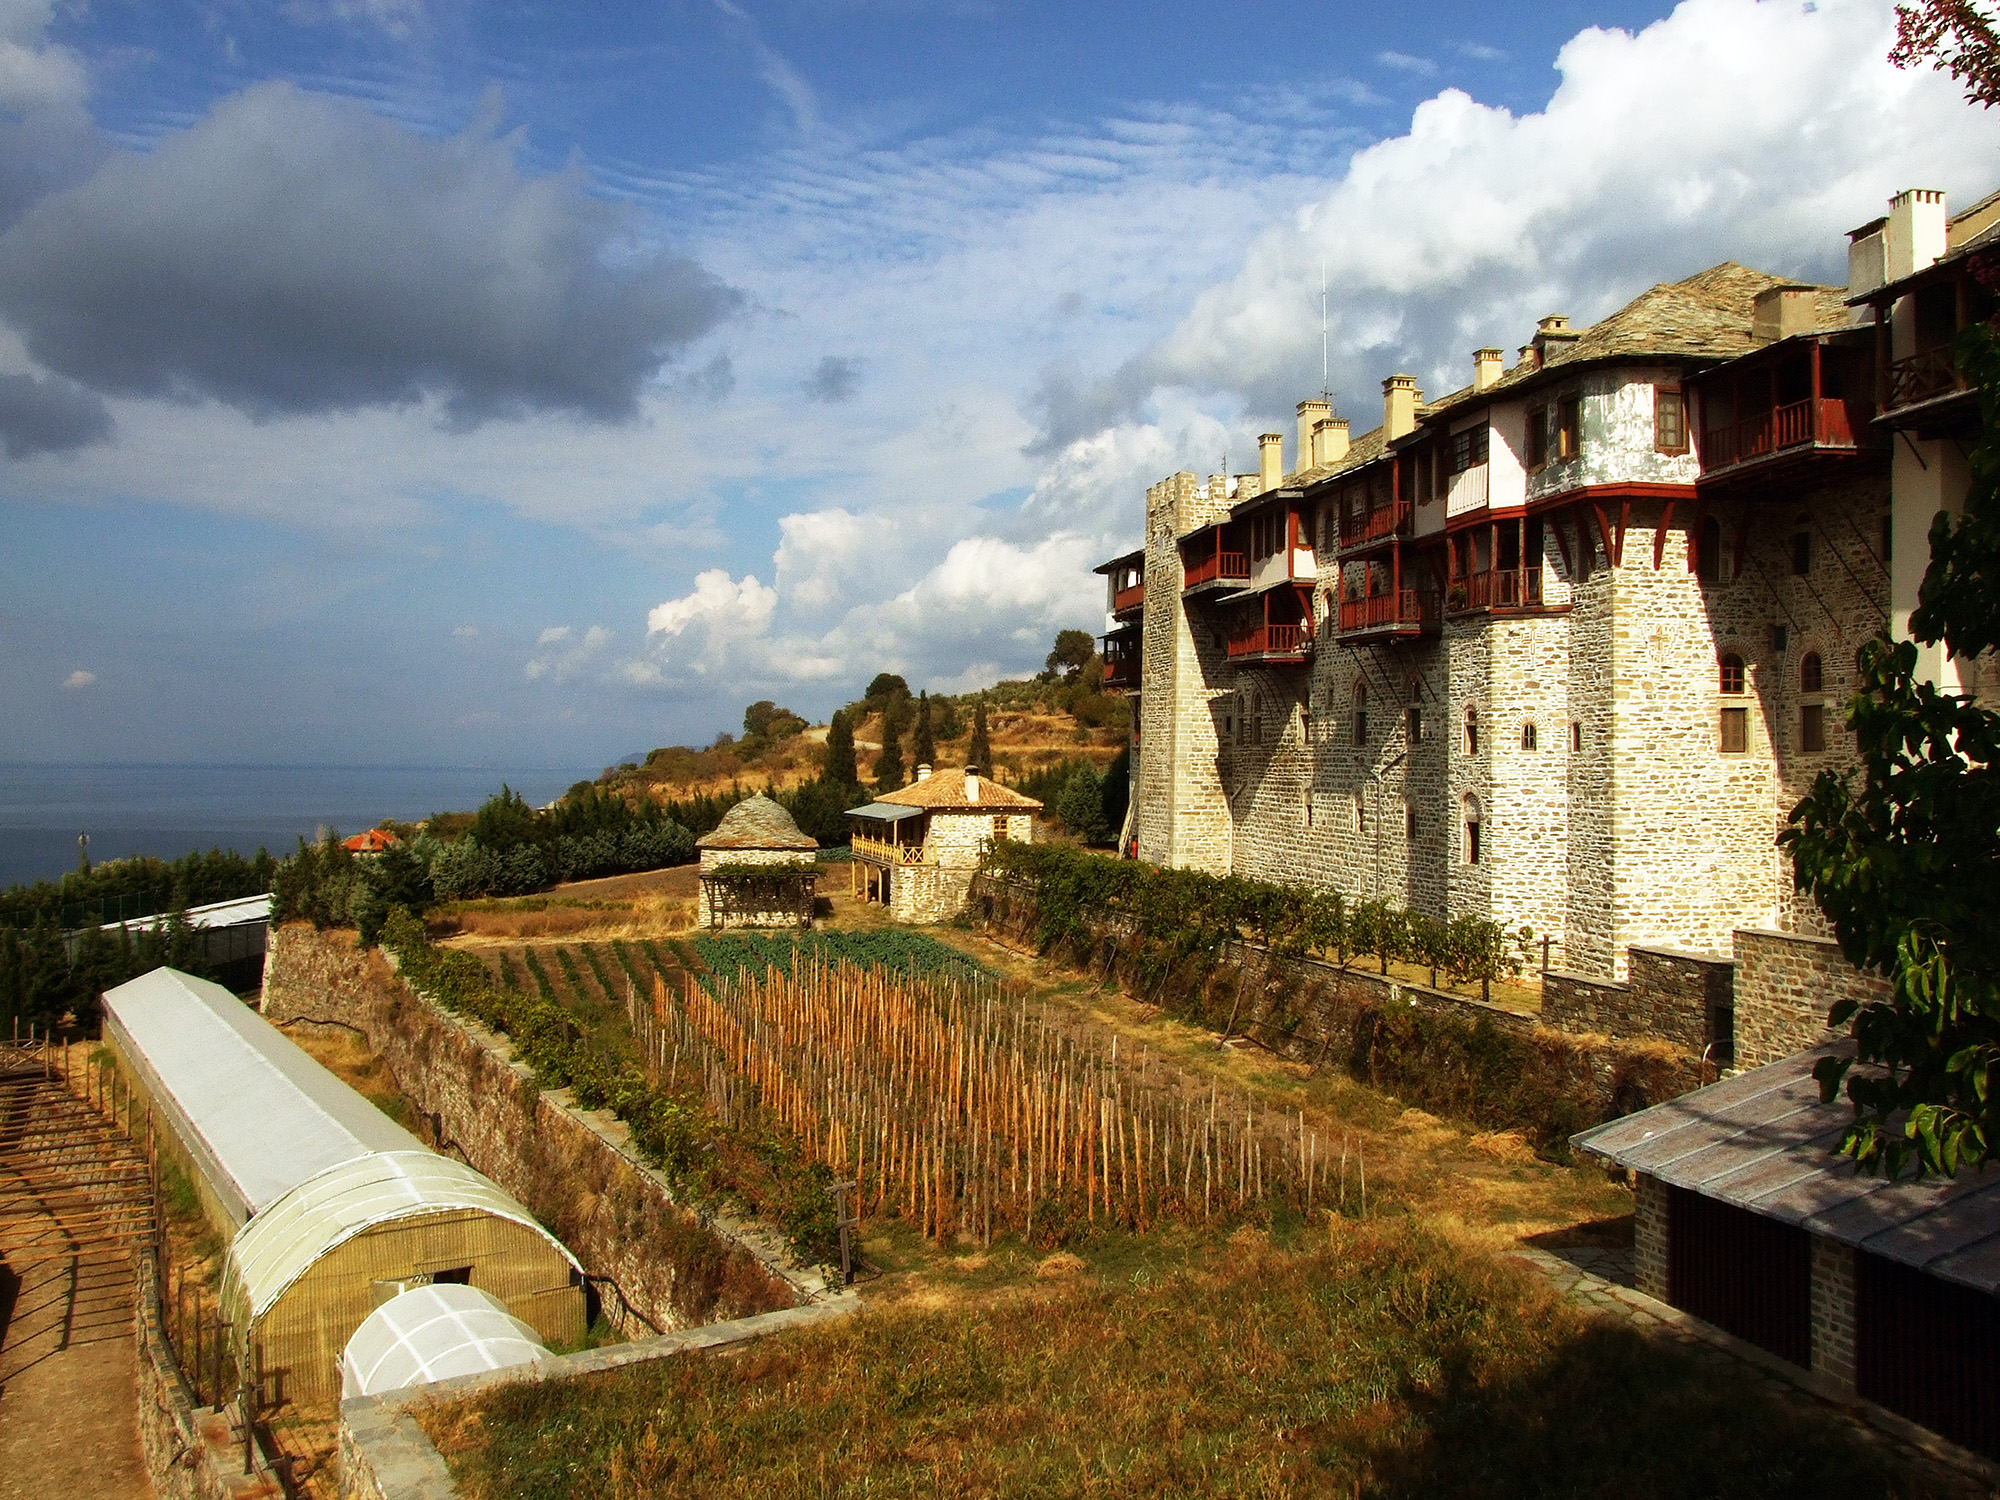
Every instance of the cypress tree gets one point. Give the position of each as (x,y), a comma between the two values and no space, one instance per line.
(980,754)
(889,764)
(838,766)
(923,748)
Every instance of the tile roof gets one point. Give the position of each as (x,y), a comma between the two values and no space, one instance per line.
(945,790)
(1763,1141)
(756,823)
(1364,449)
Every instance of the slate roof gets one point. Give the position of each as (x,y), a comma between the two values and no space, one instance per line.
(945,791)
(756,823)
(1762,1141)
(1707,316)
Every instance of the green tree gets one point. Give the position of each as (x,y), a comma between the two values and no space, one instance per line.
(1079,806)
(980,753)
(1072,652)
(1906,865)
(837,766)
(887,685)
(504,820)
(923,746)
(889,763)
(1955,37)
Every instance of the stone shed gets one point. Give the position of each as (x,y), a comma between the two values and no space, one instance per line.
(758,869)
(917,849)
(1746,1218)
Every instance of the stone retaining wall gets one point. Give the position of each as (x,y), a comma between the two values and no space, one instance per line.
(656,1265)
(192,1453)
(1785,985)
(1680,997)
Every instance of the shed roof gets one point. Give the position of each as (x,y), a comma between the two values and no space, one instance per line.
(237,912)
(945,791)
(1763,1141)
(434,1333)
(281,1244)
(757,823)
(258,1114)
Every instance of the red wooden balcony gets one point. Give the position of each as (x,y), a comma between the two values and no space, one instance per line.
(1122,658)
(1124,599)
(1216,566)
(1922,377)
(1823,423)
(1271,640)
(1374,525)
(1497,588)
(1401,609)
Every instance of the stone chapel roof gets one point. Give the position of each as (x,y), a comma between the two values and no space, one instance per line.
(945,791)
(756,823)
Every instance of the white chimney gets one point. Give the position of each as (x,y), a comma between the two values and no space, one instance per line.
(971,784)
(1916,235)
(1311,412)
(923,773)
(1487,367)
(1329,441)
(1867,263)
(1399,406)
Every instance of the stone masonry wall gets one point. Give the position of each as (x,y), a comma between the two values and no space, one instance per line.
(1786,982)
(1683,998)
(191,1453)
(1652,1242)
(711,859)
(660,1267)
(1833,1310)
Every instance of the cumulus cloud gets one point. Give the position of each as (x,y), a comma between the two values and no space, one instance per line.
(561,654)
(79,679)
(822,554)
(1783,125)
(46,139)
(295,253)
(717,599)
(834,380)
(48,414)
(721,629)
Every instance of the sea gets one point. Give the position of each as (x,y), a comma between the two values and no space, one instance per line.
(168,810)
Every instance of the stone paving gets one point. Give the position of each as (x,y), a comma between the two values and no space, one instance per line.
(1944,1468)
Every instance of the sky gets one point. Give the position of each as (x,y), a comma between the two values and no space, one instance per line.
(447,382)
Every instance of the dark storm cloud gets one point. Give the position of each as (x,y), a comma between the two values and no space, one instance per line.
(297,253)
(49,416)
(834,380)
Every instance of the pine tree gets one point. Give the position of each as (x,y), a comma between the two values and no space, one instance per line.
(838,766)
(923,748)
(980,755)
(889,764)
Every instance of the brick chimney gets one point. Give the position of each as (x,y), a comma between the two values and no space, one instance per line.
(1916,231)
(1270,461)
(1487,367)
(1310,412)
(1531,357)
(1399,406)
(972,784)
(1329,441)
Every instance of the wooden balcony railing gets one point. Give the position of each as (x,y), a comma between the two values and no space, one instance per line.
(1498,588)
(1825,423)
(1922,376)
(1230,565)
(1404,607)
(1271,640)
(895,854)
(1373,525)
(1124,599)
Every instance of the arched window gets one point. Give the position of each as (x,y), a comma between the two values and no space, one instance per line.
(1731,674)
(1812,676)
(1360,710)
(1735,725)
(1471,730)
(1410,824)
(1471,829)
(1708,552)
(1528,734)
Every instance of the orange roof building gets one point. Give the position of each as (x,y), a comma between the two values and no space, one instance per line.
(916,849)
(374,841)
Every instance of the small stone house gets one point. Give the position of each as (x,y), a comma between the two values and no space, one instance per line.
(757,869)
(917,849)
(1746,1219)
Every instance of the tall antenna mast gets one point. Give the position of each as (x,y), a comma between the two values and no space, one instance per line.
(1325,377)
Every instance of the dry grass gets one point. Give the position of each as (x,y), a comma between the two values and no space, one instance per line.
(1384,1361)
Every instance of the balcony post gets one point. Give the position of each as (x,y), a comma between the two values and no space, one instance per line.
(1818,421)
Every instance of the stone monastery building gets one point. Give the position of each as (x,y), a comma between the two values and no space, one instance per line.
(1562,648)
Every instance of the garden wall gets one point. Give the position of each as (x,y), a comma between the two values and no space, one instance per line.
(1448,1053)
(1681,997)
(656,1265)
(1785,985)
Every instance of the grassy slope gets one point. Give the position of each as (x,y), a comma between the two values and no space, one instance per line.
(1382,1362)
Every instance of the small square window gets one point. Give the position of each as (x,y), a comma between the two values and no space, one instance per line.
(1000,827)
(1812,728)
(1735,731)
